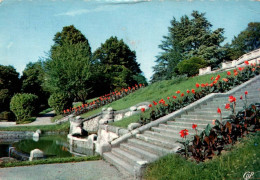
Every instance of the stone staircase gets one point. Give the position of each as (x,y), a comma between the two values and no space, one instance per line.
(132,155)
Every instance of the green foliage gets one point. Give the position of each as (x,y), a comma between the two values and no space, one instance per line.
(24,106)
(68,68)
(59,102)
(245,156)
(248,40)
(32,81)
(7,116)
(9,85)
(116,65)
(188,38)
(191,66)
(51,161)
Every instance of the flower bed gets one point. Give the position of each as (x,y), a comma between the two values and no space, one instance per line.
(213,140)
(101,101)
(182,99)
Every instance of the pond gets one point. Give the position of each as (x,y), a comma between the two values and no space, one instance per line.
(56,146)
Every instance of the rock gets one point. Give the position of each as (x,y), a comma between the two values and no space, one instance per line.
(36,135)
(104,109)
(133,126)
(36,154)
(143,106)
(118,117)
(5,160)
(110,109)
(103,121)
(133,108)
(38,131)
(129,113)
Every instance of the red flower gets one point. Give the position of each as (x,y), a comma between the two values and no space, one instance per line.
(193,91)
(228,73)
(155,103)
(178,91)
(240,69)
(174,97)
(214,82)
(188,91)
(246,92)
(202,85)
(232,99)
(227,106)
(206,84)
(236,73)
(219,110)
(253,69)
(241,97)
(150,105)
(184,133)
(225,79)
(212,78)
(197,85)
(217,78)
(168,98)
(235,70)
(64,111)
(143,109)
(194,126)
(182,94)
(214,122)
(246,62)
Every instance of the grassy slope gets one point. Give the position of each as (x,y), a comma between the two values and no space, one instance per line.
(245,156)
(157,91)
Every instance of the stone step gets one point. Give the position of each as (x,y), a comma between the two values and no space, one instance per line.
(164,136)
(195,121)
(126,156)
(171,132)
(175,127)
(156,141)
(122,165)
(160,151)
(209,112)
(187,124)
(225,100)
(138,152)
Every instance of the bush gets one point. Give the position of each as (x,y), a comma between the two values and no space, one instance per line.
(7,116)
(59,102)
(191,66)
(24,106)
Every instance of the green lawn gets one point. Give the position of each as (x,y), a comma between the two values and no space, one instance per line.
(156,91)
(126,121)
(61,127)
(50,161)
(244,157)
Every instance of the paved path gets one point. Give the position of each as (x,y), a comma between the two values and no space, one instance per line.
(90,170)
(42,120)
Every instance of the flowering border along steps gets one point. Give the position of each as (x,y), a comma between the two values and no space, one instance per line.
(133,151)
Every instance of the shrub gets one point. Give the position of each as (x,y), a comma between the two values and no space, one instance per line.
(191,66)
(58,102)
(24,106)
(6,115)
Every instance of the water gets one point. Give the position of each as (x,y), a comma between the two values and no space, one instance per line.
(53,146)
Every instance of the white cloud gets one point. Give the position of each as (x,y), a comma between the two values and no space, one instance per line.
(84,11)
(10,45)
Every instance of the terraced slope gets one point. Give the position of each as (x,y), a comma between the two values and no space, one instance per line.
(133,155)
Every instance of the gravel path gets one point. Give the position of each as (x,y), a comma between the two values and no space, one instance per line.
(90,170)
(42,120)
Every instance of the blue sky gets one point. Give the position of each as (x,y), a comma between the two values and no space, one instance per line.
(27,27)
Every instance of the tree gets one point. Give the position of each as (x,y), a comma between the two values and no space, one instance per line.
(68,68)
(191,66)
(117,64)
(33,80)
(24,106)
(9,85)
(248,40)
(188,38)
